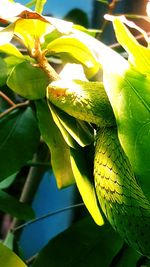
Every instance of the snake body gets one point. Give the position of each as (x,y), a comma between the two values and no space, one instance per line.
(121,199)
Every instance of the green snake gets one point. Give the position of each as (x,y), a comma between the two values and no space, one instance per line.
(121,198)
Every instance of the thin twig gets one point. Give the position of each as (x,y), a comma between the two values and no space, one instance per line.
(7,99)
(20,105)
(47,215)
(110,10)
(32,259)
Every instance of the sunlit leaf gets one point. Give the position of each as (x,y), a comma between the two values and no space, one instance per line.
(77,50)
(18,131)
(6,34)
(81,132)
(67,137)
(31,30)
(11,50)
(28,81)
(85,183)
(40,5)
(9,9)
(9,204)
(139,56)
(60,151)
(84,244)
(9,258)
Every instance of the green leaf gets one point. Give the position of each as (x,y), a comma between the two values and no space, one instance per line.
(10,49)
(9,204)
(9,258)
(77,50)
(31,30)
(8,181)
(81,131)
(85,183)
(129,257)
(3,72)
(40,5)
(139,55)
(19,138)
(28,81)
(60,151)
(84,244)
(6,34)
(130,98)
(67,137)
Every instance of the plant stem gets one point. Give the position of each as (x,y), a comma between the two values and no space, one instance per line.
(42,62)
(7,99)
(48,215)
(15,106)
(110,10)
(33,179)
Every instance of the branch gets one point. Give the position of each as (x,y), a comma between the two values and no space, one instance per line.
(15,106)
(7,99)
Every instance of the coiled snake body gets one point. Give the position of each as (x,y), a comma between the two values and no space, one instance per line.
(121,198)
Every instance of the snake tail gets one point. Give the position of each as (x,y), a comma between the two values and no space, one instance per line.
(121,198)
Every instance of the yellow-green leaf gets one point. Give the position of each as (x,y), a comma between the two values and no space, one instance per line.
(9,258)
(60,151)
(31,30)
(10,49)
(139,56)
(85,184)
(78,50)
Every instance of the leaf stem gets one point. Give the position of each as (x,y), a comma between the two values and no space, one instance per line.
(42,61)
(47,215)
(7,99)
(15,106)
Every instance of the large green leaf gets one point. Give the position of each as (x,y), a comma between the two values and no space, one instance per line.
(129,94)
(84,244)
(60,151)
(85,182)
(9,258)
(77,50)
(19,138)
(9,204)
(28,81)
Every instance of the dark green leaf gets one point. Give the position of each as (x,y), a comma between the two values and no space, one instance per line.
(128,257)
(84,244)
(10,205)
(8,181)
(28,81)
(19,138)
(60,151)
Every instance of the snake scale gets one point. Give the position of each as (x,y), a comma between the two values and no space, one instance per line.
(121,198)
